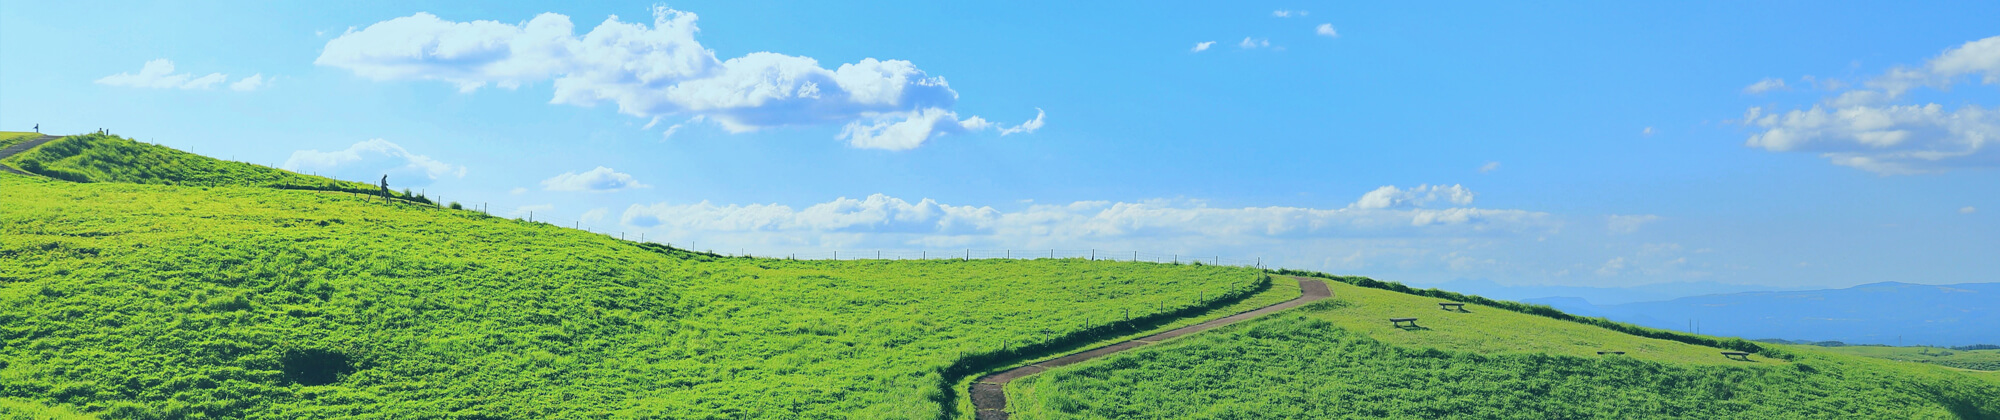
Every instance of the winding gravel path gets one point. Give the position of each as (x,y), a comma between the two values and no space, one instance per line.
(17,148)
(989,393)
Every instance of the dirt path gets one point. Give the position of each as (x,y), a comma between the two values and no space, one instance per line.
(17,148)
(989,395)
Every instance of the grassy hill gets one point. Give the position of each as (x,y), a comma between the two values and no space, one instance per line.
(108,158)
(1341,359)
(151,301)
(170,285)
(1986,360)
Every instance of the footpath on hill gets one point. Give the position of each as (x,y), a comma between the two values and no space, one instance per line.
(17,148)
(989,393)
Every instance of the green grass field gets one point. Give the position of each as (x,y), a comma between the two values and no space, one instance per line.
(167,285)
(1341,359)
(107,158)
(147,301)
(1983,360)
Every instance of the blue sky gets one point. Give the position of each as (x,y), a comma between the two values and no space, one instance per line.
(1583,144)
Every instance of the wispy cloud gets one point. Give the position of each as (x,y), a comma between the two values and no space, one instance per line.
(601,179)
(1289,13)
(1766,85)
(1628,224)
(1202,46)
(1489,167)
(1250,43)
(159,74)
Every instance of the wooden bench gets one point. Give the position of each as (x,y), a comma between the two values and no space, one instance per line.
(1610,352)
(1451,306)
(1737,355)
(1398,322)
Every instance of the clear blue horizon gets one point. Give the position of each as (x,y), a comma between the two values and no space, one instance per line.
(1786,145)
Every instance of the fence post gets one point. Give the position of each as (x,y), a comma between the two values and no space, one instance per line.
(968,254)
(878,254)
(836,255)
(1135,256)
(1093,254)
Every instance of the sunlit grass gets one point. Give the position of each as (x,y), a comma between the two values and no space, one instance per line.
(134,301)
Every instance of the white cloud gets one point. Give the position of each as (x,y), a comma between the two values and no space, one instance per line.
(1289,13)
(1202,46)
(1612,267)
(1628,224)
(601,179)
(1326,29)
(664,135)
(159,74)
(254,82)
(1889,140)
(1489,167)
(1766,85)
(1026,127)
(654,71)
(1648,132)
(595,215)
(1967,210)
(1866,129)
(1085,220)
(1250,43)
(1389,196)
(369,160)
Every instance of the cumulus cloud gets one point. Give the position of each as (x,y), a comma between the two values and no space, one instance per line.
(159,74)
(601,179)
(1628,224)
(1766,85)
(1866,128)
(657,70)
(369,160)
(1202,46)
(1326,29)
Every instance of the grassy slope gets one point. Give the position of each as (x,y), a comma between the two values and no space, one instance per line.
(1986,360)
(145,301)
(1341,359)
(8,138)
(107,158)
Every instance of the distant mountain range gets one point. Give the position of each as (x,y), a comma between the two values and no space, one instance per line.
(1878,313)
(1597,295)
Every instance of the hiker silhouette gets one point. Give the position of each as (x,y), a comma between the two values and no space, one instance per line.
(385,185)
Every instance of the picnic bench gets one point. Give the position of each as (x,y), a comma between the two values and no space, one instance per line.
(1610,352)
(1451,306)
(1398,322)
(1737,355)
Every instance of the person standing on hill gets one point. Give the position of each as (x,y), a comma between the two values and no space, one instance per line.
(385,186)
